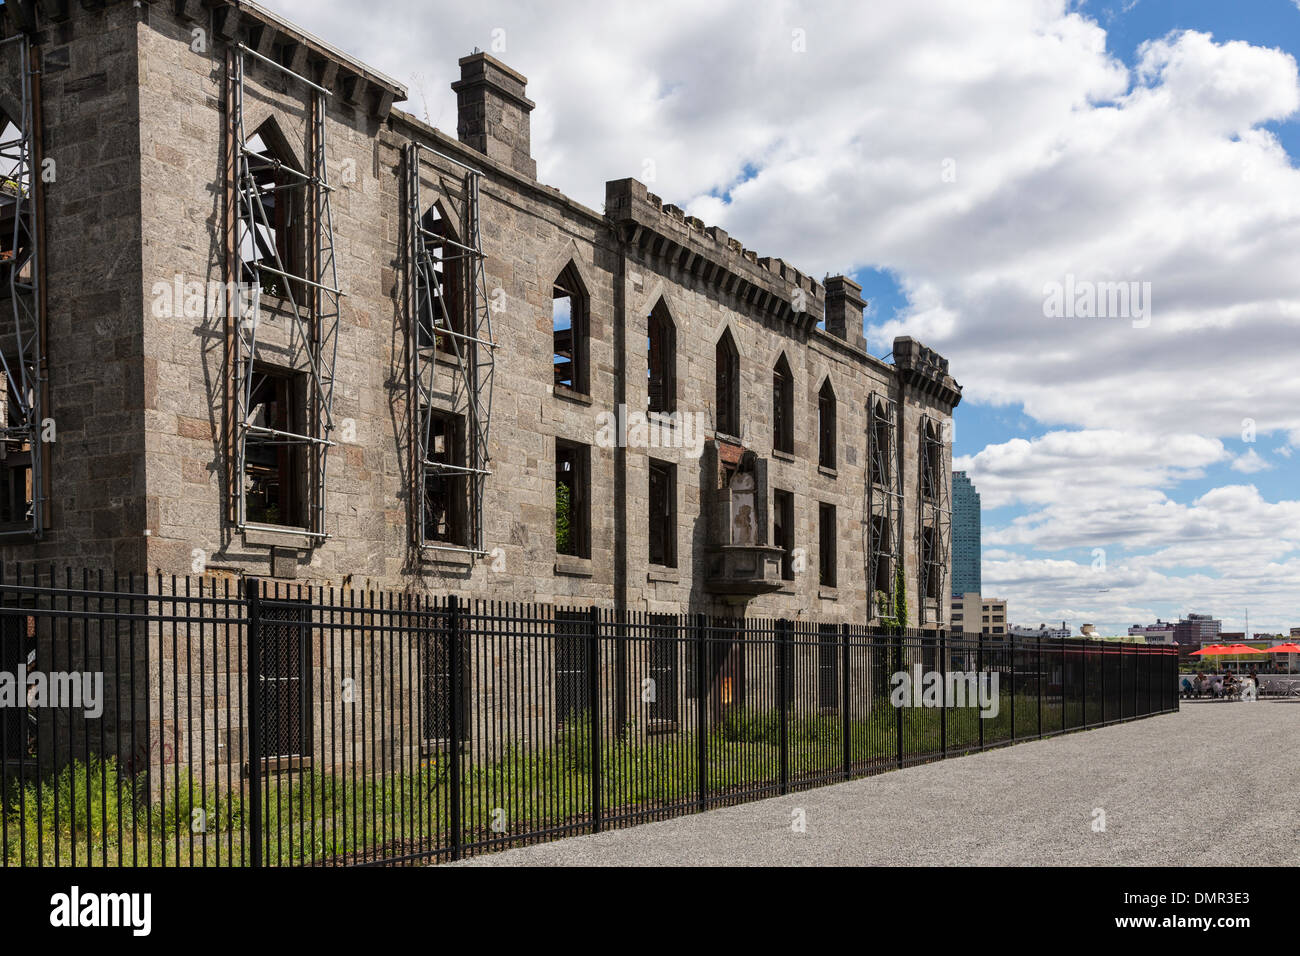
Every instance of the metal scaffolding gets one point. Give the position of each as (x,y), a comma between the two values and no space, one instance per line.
(310,295)
(883,527)
(25,404)
(449,312)
(934,516)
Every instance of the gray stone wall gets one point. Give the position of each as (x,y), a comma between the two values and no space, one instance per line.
(96,369)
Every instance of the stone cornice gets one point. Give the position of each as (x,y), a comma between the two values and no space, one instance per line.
(664,233)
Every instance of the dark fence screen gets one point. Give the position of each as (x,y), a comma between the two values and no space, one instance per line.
(225,723)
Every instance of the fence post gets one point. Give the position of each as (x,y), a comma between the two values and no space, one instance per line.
(1065,708)
(979,671)
(1038,669)
(1121,681)
(898,711)
(1101,652)
(844,699)
(1011,638)
(1137,684)
(593,690)
(455,695)
(1082,664)
(702,711)
(943,692)
(253,597)
(783,696)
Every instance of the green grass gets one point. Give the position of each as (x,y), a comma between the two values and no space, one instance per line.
(315,816)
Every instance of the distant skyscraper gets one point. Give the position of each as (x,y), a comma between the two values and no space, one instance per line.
(965,535)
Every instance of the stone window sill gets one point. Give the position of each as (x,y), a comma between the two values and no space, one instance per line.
(574,567)
(458,559)
(290,538)
(828,593)
(782,455)
(569,395)
(828,472)
(663,575)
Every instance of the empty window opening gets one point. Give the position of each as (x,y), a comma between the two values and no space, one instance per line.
(275,458)
(271,211)
(440,274)
(826,545)
(727,386)
(783,407)
(661,360)
(16,450)
(880,447)
(930,462)
(569,322)
(572,476)
(663,514)
(446,508)
(826,426)
(930,570)
(883,582)
(15,190)
(783,530)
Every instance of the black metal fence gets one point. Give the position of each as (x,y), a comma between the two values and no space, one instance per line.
(248,723)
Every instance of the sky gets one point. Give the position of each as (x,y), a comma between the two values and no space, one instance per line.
(974,165)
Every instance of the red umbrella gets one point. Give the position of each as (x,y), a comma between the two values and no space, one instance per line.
(1211,650)
(1242,649)
(1289,648)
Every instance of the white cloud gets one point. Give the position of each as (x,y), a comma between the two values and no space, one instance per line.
(1250,462)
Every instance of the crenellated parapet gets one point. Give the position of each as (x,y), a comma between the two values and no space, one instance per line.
(926,371)
(235,21)
(664,233)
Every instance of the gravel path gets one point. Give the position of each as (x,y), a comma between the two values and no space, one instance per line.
(1031,804)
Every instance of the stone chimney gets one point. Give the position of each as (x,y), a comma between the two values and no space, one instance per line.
(844,305)
(492,112)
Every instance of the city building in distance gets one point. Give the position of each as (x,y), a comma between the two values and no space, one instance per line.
(1161,632)
(972,613)
(965,536)
(1197,630)
(1042,631)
